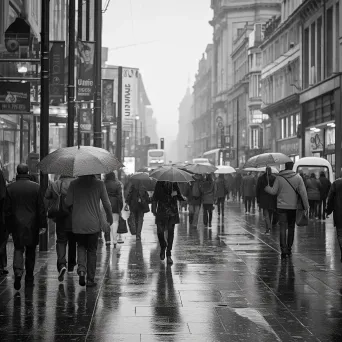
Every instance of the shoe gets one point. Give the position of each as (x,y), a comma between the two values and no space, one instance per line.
(209,225)
(81,279)
(138,238)
(61,273)
(120,241)
(108,243)
(114,246)
(91,283)
(267,232)
(71,269)
(169,260)
(17,283)
(283,255)
(162,254)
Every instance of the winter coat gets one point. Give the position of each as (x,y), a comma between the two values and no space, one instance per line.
(207,192)
(248,186)
(84,196)
(189,192)
(313,189)
(334,203)
(325,186)
(264,199)
(114,191)
(286,196)
(134,195)
(25,212)
(221,187)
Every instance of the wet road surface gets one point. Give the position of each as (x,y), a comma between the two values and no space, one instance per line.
(227,283)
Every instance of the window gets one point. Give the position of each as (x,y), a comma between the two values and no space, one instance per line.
(319,50)
(306,58)
(255,138)
(258,59)
(330,42)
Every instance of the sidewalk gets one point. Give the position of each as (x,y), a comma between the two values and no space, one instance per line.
(227,284)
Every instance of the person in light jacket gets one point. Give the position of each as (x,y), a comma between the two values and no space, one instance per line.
(287,181)
(84,195)
(313,189)
(208,199)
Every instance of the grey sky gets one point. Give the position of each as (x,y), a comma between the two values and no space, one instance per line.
(180,32)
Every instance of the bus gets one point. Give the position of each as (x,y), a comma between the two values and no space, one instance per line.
(203,161)
(156,158)
(217,156)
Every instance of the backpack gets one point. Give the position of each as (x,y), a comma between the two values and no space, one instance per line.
(195,190)
(57,207)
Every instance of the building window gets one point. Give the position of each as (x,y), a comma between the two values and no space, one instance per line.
(306,58)
(258,59)
(319,50)
(313,54)
(255,138)
(330,42)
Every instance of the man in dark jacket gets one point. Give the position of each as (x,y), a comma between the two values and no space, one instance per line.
(221,190)
(193,194)
(248,191)
(325,187)
(25,216)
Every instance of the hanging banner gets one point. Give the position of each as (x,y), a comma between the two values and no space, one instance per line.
(85,71)
(86,122)
(108,113)
(57,57)
(130,79)
(15,98)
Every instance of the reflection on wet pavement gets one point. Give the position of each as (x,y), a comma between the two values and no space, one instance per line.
(227,284)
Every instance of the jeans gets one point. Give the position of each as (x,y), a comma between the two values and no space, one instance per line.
(339,237)
(113,230)
(86,254)
(166,238)
(220,205)
(193,213)
(287,221)
(18,261)
(207,214)
(321,208)
(313,208)
(268,216)
(248,203)
(139,220)
(65,238)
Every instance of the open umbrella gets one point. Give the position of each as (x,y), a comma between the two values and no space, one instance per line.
(267,159)
(171,174)
(224,170)
(79,161)
(201,168)
(144,179)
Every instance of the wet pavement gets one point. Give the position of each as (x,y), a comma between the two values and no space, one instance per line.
(227,283)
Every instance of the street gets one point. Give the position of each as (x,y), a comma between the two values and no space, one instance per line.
(227,283)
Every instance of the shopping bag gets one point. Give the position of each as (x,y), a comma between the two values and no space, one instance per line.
(122,229)
(131,224)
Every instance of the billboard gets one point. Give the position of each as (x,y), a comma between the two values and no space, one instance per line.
(86,122)
(108,105)
(130,81)
(56,55)
(14,97)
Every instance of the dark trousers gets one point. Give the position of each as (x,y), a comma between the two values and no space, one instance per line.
(287,222)
(3,253)
(220,205)
(86,254)
(248,203)
(313,208)
(166,237)
(65,238)
(339,237)
(18,261)
(321,208)
(207,214)
(139,220)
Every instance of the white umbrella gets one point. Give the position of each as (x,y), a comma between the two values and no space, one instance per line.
(224,170)
(260,169)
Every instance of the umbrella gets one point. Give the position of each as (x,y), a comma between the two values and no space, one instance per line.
(263,169)
(201,169)
(267,159)
(223,170)
(144,179)
(145,169)
(171,174)
(79,161)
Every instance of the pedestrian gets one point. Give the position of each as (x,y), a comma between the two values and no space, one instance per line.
(208,199)
(286,186)
(221,190)
(138,201)
(325,187)
(313,189)
(114,191)
(256,176)
(84,195)
(248,191)
(229,184)
(25,215)
(165,209)
(193,195)
(238,183)
(65,236)
(3,229)
(267,202)
(334,204)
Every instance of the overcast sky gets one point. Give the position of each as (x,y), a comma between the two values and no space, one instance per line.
(176,33)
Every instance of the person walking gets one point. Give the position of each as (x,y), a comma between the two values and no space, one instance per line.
(334,205)
(3,229)
(325,188)
(286,186)
(65,236)
(25,216)
(193,194)
(238,183)
(313,189)
(267,202)
(208,199)
(138,201)
(248,191)
(114,191)
(221,190)
(165,209)
(84,195)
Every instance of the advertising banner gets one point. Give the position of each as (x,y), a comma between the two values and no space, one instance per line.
(14,97)
(85,71)
(86,120)
(108,105)
(57,53)
(130,81)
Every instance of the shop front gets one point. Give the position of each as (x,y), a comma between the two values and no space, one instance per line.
(290,147)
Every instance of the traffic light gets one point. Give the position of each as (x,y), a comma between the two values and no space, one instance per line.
(161,143)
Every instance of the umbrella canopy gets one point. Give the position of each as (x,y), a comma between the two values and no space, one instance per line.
(144,179)
(79,161)
(201,168)
(224,170)
(171,174)
(267,159)
(145,169)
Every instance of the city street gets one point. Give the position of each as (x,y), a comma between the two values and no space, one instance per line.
(227,283)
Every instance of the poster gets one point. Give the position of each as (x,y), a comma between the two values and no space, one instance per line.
(14,97)
(85,71)
(108,105)
(130,79)
(56,55)
(86,122)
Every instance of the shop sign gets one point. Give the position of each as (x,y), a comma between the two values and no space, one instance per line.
(57,52)
(14,97)
(289,147)
(330,139)
(108,105)
(316,141)
(86,122)
(130,79)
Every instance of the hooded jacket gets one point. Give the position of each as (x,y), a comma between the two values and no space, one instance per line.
(286,196)
(313,189)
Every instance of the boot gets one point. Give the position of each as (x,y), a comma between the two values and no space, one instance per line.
(169,260)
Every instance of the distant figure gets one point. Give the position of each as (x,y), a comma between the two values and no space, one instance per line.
(237,185)
(221,190)
(313,188)
(207,199)
(248,191)
(193,195)
(325,187)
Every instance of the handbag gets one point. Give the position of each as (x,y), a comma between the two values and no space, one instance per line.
(301,217)
(57,208)
(122,229)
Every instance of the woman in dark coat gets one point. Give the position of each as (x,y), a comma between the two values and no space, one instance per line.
(313,188)
(325,187)
(3,230)
(114,190)
(267,202)
(165,209)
